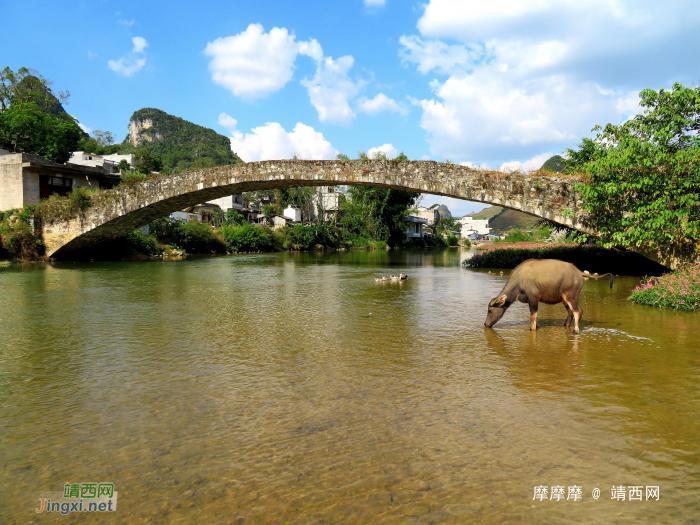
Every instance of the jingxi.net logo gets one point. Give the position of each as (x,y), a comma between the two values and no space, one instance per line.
(80,497)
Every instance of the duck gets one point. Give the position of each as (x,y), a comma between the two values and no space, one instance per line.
(403,277)
(377,279)
(395,277)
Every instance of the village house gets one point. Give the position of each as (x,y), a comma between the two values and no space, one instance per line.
(108,162)
(414,229)
(26,179)
(432,216)
(471,227)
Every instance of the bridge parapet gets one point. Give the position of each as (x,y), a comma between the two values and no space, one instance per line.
(118,211)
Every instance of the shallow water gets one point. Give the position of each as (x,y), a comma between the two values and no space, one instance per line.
(293,388)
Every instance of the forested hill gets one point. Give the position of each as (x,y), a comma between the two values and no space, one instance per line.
(182,145)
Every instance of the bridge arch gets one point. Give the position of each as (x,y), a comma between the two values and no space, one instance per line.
(118,211)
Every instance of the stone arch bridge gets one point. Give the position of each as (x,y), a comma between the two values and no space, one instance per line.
(118,211)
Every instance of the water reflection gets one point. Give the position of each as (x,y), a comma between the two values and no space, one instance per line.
(293,387)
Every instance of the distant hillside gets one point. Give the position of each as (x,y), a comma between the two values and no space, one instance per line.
(502,220)
(488,213)
(181,144)
(555,163)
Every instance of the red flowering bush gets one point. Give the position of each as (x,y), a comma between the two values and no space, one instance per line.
(679,290)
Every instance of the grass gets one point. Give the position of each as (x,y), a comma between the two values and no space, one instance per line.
(679,290)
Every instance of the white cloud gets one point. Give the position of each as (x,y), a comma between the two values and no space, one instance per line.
(533,164)
(127,23)
(253,64)
(331,88)
(380,103)
(536,162)
(387,149)
(375,3)
(483,166)
(134,61)
(85,128)
(228,122)
(272,142)
(140,44)
(536,75)
(436,55)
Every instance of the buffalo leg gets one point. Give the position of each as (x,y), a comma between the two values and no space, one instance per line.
(569,315)
(578,314)
(533,316)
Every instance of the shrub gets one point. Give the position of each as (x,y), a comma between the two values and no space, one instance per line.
(587,257)
(193,237)
(57,208)
(80,198)
(248,237)
(299,237)
(232,217)
(452,240)
(142,244)
(132,177)
(679,290)
(197,237)
(17,240)
(435,241)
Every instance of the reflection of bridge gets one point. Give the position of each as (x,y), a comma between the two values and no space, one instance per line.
(121,210)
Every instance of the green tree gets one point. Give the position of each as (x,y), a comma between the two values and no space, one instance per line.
(30,120)
(234,218)
(146,162)
(377,213)
(644,175)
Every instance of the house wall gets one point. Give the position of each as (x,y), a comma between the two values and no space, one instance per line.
(229,202)
(481,226)
(30,191)
(11,184)
(185,216)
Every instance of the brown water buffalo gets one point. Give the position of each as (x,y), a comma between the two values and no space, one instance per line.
(548,281)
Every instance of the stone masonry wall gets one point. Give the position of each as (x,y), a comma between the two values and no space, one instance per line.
(116,212)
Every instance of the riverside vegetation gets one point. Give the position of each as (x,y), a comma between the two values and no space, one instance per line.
(641,184)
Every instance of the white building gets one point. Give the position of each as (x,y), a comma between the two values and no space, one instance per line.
(414,229)
(470,226)
(230,202)
(107,162)
(329,199)
(186,216)
(431,216)
(293,213)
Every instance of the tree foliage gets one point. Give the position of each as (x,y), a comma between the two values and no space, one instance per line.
(378,214)
(32,119)
(644,175)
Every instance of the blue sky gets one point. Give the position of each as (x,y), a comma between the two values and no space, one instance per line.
(506,83)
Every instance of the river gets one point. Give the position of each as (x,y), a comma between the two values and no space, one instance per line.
(293,388)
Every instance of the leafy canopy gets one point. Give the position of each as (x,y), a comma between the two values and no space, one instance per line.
(644,175)
(32,119)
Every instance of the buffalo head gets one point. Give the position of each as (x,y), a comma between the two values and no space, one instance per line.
(497,307)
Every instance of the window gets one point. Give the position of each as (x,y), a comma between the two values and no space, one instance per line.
(50,185)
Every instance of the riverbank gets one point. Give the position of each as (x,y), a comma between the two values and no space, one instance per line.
(591,258)
(678,290)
